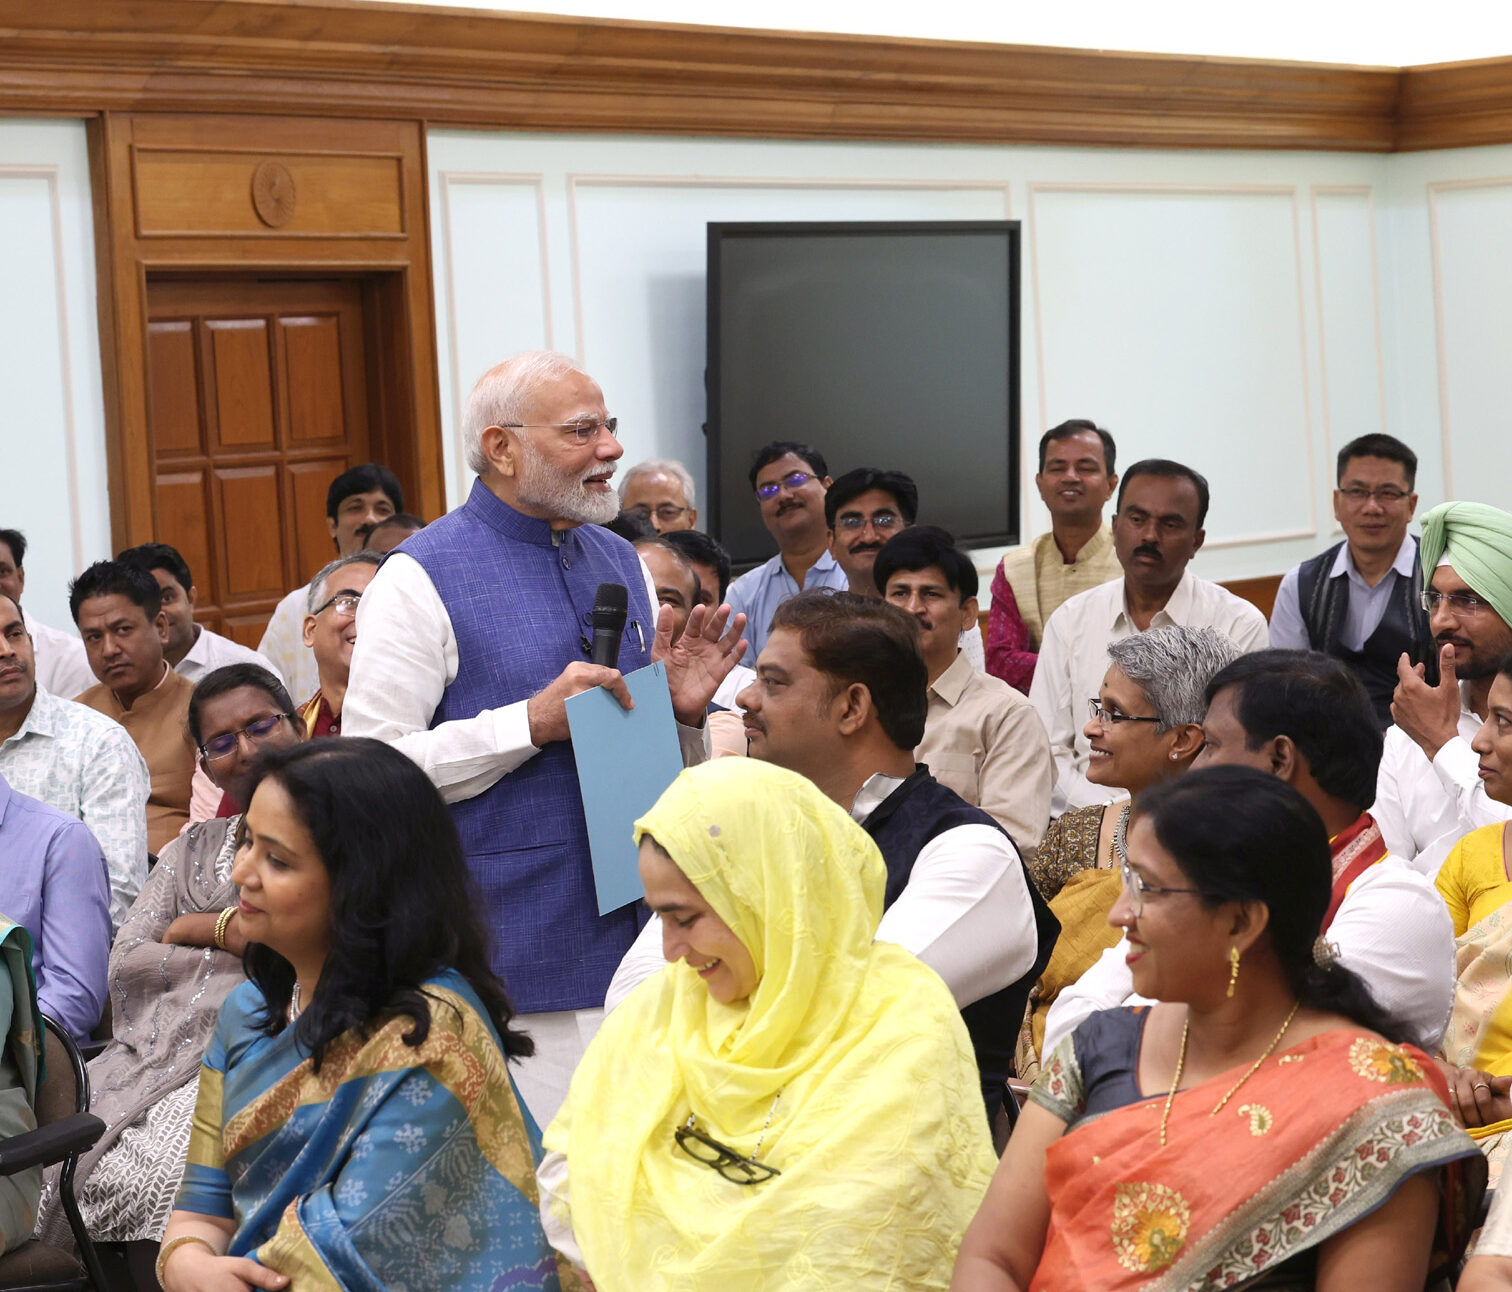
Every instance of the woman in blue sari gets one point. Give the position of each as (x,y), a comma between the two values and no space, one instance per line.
(356,1126)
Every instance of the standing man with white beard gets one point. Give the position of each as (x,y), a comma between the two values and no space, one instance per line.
(471,639)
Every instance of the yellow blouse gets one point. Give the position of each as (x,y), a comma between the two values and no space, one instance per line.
(1473,879)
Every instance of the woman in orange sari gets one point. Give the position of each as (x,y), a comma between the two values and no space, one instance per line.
(1259,1123)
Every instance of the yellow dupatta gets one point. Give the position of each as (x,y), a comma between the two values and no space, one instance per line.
(852,1048)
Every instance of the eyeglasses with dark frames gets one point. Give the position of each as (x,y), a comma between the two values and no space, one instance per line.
(583,433)
(734,1167)
(1106,717)
(1138,888)
(883,522)
(793,480)
(227,743)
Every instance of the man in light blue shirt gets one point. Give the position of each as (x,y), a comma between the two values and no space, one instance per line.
(53,882)
(74,759)
(790,481)
(1361,600)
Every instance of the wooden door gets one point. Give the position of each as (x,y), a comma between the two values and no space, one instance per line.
(257,400)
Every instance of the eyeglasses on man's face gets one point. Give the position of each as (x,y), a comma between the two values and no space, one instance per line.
(1106,717)
(669,513)
(1386,495)
(1138,888)
(227,743)
(343,603)
(581,433)
(793,480)
(1462,603)
(735,1167)
(884,522)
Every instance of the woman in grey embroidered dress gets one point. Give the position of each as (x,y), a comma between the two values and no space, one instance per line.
(168,980)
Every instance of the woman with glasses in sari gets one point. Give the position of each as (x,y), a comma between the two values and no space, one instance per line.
(1260,1121)
(356,1126)
(1145,727)
(789,1104)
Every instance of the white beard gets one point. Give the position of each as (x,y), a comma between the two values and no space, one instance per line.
(565,496)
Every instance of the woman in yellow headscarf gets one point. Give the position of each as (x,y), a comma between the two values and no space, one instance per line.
(789,1104)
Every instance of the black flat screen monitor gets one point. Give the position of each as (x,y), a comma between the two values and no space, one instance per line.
(884,345)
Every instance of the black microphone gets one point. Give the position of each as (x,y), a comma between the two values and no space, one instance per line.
(611,603)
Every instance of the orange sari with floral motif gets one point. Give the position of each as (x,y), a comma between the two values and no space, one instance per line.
(1317,1138)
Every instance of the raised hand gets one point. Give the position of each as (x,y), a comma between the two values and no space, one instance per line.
(711,645)
(1428,714)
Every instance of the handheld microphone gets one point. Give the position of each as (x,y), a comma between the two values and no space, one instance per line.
(611,604)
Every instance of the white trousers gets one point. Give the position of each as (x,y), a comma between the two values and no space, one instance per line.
(561,1039)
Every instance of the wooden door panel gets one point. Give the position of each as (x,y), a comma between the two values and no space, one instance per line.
(174,388)
(183,504)
(258,401)
(243,377)
(247,507)
(307,486)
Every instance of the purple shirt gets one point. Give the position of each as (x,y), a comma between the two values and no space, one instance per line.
(53,882)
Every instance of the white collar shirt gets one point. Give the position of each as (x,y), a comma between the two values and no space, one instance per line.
(62,664)
(212,651)
(1073,658)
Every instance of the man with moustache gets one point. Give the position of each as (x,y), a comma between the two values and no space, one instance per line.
(1075,481)
(790,482)
(863,509)
(1157,530)
(357,500)
(1429,794)
(471,639)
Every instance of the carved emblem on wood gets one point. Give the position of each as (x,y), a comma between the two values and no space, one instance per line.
(273,194)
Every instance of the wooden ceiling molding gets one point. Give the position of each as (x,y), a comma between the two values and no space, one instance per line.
(458,67)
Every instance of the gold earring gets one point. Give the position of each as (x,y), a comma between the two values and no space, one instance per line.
(1233,970)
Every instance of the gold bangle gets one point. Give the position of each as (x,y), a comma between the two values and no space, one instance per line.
(172,1245)
(221,925)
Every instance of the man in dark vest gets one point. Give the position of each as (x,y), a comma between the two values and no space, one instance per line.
(840,696)
(1361,601)
(470,640)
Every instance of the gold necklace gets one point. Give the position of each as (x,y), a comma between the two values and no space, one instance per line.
(1186,1031)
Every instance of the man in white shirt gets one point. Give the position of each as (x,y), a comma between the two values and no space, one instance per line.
(1306,718)
(357,500)
(470,640)
(74,759)
(790,482)
(1361,600)
(840,697)
(982,738)
(192,649)
(1157,530)
(62,667)
(1429,794)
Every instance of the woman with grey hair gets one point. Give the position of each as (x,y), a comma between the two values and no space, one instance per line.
(1145,727)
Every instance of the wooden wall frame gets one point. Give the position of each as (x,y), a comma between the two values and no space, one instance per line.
(207,194)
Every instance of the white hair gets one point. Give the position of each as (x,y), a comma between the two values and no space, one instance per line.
(503,395)
(660,467)
(1173,666)
(315,598)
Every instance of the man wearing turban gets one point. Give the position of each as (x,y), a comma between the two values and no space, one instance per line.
(1429,793)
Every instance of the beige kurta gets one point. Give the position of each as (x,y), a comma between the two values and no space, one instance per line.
(1041,580)
(985,741)
(158,723)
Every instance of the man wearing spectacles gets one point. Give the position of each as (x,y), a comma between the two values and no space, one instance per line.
(1430,794)
(1360,601)
(863,509)
(790,481)
(330,631)
(470,640)
(663,491)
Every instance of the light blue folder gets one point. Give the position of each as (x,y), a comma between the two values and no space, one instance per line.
(625,759)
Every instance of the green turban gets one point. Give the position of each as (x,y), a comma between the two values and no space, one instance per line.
(1477,539)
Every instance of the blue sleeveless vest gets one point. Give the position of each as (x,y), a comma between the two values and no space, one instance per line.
(519,595)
